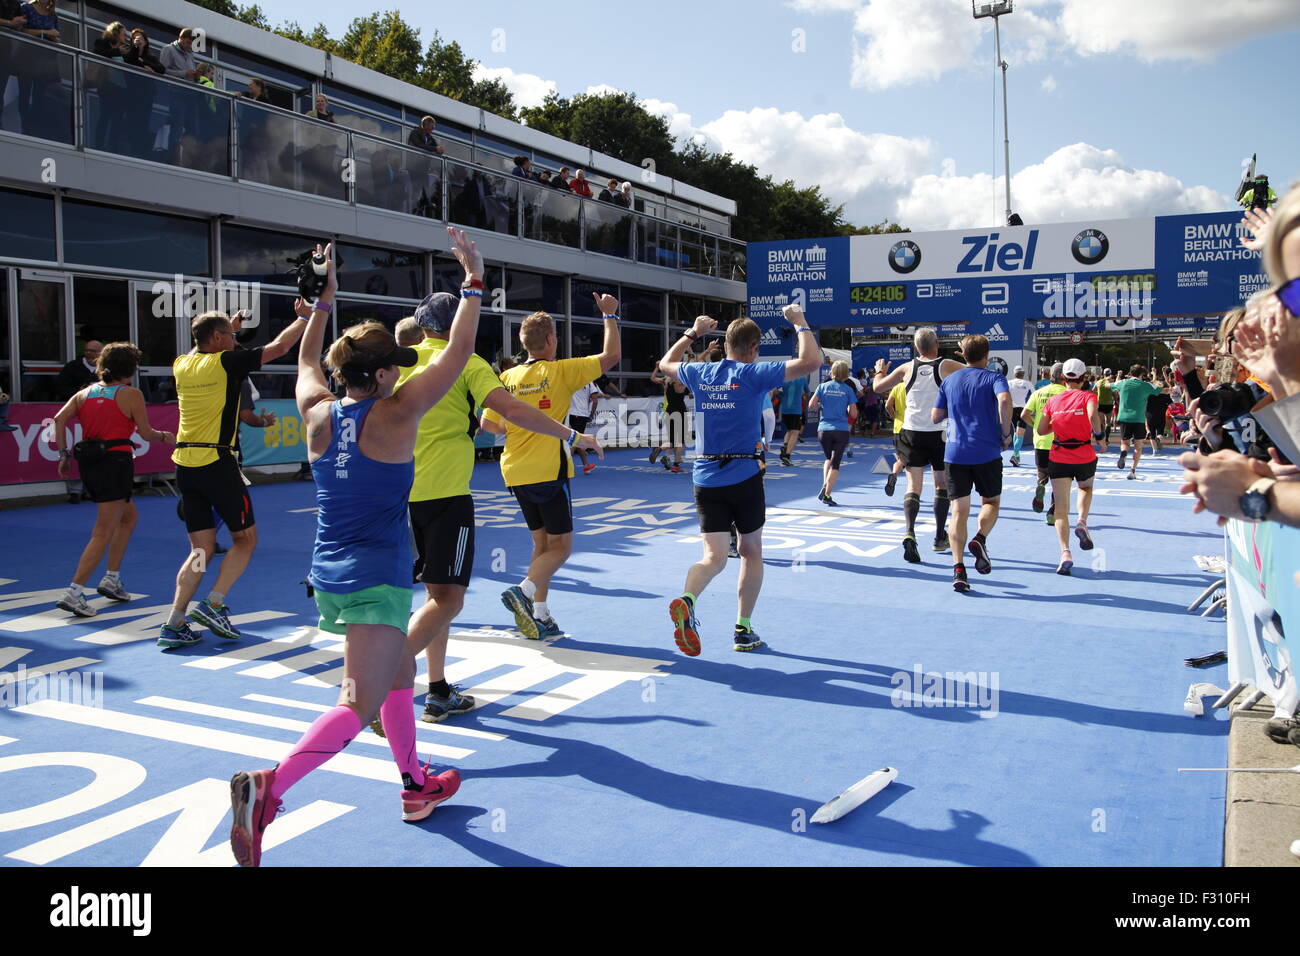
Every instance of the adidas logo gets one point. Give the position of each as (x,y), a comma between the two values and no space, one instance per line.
(996,334)
(770,337)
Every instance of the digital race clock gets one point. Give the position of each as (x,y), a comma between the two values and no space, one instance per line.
(888,292)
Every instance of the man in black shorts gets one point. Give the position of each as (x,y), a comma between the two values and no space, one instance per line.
(442,511)
(728,471)
(921,441)
(207,473)
(978,402)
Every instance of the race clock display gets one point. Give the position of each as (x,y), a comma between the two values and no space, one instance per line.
(883,292)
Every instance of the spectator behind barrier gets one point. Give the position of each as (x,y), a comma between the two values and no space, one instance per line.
(579,184)
(1266,341)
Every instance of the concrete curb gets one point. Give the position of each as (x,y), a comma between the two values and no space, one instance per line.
(1262,810)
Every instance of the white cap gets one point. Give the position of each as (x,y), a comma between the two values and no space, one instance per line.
(1018,368)
(1074,368)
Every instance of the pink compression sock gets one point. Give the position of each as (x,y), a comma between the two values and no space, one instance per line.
(399,727)
(328,734)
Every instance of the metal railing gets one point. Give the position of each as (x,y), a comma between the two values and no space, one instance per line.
(89,102)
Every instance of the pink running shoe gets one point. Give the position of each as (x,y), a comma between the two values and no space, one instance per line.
(418,804)
(253,810)
(588,468)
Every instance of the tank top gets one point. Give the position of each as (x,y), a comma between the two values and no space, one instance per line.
(101,418)
(362,538)
(922,390)
(1072,426)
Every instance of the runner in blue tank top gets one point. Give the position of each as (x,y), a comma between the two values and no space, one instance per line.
(362,453)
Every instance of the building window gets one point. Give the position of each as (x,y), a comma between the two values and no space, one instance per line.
(118,238)
(26,226)
(256,255)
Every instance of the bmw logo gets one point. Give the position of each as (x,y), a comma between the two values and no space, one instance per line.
(1090,246)
(998,364)
(904,256)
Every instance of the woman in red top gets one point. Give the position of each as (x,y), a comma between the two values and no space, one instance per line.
(109,412)
(1073,418)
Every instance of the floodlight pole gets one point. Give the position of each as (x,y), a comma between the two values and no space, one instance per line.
(1006,127)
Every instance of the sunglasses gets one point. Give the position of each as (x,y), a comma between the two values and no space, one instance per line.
(1288,293)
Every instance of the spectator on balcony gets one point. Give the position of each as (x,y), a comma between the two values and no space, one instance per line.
(624,197)
(544,177)
(141,53)
(42,20)
(207,75)
(111,86)
(579,184)
(322,111)
(178,57)
(523,168)
(256,91)
(12,17)
(610,191)
(422,137)
(141,94)
(561,180)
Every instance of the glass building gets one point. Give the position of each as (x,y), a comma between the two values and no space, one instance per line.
(130,200)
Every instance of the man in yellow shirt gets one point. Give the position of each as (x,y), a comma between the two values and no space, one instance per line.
(896,405)
(441,509)
(207,474)
(1043,443)
(537,467)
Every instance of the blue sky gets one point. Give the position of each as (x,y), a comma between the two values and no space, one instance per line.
(1117,107)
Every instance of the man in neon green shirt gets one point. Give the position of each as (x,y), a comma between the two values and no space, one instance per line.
(1106,405)
(1043,443)
(442,511)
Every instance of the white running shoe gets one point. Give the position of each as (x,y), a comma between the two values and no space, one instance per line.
(76,604)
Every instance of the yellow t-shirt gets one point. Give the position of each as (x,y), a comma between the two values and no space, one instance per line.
(530,458)
(898,405)
(207,389)
(444,447)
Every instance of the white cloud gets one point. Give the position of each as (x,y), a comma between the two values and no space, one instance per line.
(528,89)
(602,89)
(1075,182)
(897,42)
(680,126)
(1049,84)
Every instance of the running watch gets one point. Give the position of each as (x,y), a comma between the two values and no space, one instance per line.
(1254,503)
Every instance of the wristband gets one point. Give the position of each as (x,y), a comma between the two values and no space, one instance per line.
(805,328)
(320,306)
(64,453)
(609,315)
(471,293)
(691,334)
(573,436)
(472,283)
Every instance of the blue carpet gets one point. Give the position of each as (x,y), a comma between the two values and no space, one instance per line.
(608,746)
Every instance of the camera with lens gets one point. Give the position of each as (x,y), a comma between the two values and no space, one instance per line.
(1226,402)
(310,272)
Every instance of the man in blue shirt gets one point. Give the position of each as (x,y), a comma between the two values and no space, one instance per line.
(728,476)
(979,404)
(792,394)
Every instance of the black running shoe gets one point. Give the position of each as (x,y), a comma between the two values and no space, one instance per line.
(911,553)
(941,542)
(959,582)
(890,484)
(745,639)
(980,552)
(827,499)
(1085,540)
(1120,463)
(1039,493)
(785,460)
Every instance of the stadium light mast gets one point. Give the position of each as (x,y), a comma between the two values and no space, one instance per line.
(996,8)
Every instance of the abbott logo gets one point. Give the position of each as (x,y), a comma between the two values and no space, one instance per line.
(75,909)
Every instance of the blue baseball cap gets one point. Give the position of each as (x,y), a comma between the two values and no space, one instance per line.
(436,312)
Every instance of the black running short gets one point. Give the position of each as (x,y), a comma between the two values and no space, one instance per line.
(579,424)
(444,539)
(1042,458)
(1084,472)
(833,444)
(922,448)
(1132,431)
(1155,427)
(1105,410)
(546,504)
(674,428)
(218,487)
(792,423)
(986,478)
(742,504)
(899,450)
(1015,417)
(111,478)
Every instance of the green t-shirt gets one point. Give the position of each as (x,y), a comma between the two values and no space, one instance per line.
(444,447)
(1133,395)
(1034,408)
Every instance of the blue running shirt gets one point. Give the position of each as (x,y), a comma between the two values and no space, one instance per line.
(729,399)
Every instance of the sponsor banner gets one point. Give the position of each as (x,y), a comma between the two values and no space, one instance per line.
(285,442)
(810,273)
(1263,608)
(28,452)
(866,356)
(1010,251)
(1201,259)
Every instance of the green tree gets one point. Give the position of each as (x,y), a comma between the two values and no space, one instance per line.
(884,227)
(384,42)
(613,123)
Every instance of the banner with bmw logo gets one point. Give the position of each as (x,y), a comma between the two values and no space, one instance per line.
(1110,274)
